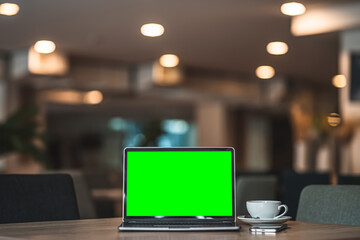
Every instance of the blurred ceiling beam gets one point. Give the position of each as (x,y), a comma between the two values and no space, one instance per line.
(327,19)
(91,74)
(150,80)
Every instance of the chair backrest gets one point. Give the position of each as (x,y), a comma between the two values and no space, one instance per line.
(293,183)
(84,200)
(254,188)
(330,204)
(348,180)
(32,198)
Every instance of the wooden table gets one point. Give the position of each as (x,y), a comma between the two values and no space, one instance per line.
(106,229)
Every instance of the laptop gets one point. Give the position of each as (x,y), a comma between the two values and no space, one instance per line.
(179,189)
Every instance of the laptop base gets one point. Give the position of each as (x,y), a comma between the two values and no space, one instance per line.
(180,228)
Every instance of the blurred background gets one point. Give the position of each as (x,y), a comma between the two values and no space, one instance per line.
(81,80)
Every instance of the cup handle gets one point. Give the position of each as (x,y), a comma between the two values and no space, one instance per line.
(279,207)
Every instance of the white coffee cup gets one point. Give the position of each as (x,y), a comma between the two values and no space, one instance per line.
(265,209)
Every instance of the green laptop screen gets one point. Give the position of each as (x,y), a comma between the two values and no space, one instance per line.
(179,183)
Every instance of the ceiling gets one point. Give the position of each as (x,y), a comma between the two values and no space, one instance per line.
(216,34)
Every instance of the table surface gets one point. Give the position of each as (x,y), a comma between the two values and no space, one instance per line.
(105,229)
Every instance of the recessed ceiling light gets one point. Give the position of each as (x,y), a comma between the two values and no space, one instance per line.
(339,81)
(9,9)
(293,9)
(152,30)
(265,72)
(277,48)
(169,60)
(44,46)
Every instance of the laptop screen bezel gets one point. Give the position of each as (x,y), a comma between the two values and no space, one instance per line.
(166,218)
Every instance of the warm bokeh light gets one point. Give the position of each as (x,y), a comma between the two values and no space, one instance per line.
(63,96)
(55,63)
(9,9)
(165,76)
(293,9)
(152,30)
(277,48)
(334,119)
(72,97)
(332,18)
(339,81)
(265,72)
(169,60)
(93,97)
(45,46)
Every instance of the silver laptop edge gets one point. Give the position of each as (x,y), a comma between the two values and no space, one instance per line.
(122,228)
(155,229)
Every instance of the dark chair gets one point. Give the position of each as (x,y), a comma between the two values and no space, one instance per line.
(292,185)
(84,199)
(348,180)
(32,198)
(330,204)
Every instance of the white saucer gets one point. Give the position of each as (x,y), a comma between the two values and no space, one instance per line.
(257,221)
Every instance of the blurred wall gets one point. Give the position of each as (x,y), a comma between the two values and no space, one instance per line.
(350,43)
(350,110)
(2,89)
(212,124)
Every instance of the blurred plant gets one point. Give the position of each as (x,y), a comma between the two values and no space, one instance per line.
(19,133)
